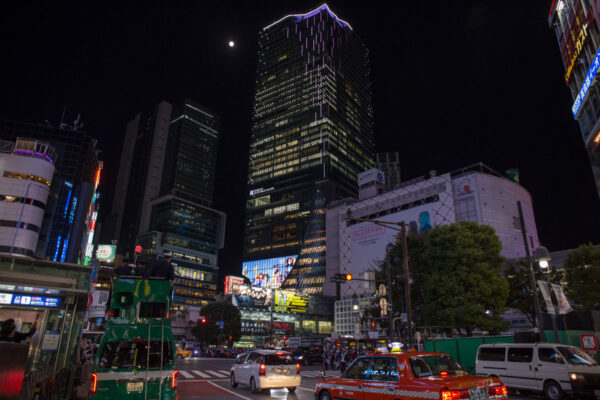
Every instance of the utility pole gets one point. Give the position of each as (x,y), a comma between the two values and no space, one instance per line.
(388,272)
(407,285)
(536,301)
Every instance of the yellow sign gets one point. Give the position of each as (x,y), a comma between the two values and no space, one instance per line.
(290,301)
(578,47)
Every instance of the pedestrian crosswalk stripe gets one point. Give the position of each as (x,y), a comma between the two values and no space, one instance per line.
(186,374)
(224,371)
(218,375)
(201,374)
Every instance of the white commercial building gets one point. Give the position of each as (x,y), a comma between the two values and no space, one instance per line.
(26,171)
(474,193)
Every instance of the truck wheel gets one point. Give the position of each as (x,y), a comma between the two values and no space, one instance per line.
(253,387)
(232,380)
(325,395)
(553,391)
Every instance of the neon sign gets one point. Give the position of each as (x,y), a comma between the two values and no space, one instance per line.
(587,83)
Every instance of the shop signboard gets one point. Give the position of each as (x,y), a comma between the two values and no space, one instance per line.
(250,296)
(32,301)
(286,328)
(230,281)
(51,339)
(106,252)
(290,301)
(98,307)
(6,298)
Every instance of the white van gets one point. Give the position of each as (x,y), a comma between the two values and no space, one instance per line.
(553,369)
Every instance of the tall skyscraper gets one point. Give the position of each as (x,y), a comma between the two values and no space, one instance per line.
(575,23)
(163,196)
(62,234)
(389,163)
(312,132)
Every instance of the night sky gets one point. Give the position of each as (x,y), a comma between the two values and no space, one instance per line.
(454,83)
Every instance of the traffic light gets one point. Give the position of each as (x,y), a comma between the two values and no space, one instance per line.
(203,320)
(230,338)
(342,278)
(373,324)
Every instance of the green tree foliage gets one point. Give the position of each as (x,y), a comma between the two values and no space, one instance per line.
(456,278)
(582,272)
(463,284)
(210,332)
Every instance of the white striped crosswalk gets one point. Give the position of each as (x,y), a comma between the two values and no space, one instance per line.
(224,374)
(201,374)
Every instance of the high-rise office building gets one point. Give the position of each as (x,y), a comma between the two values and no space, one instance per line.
(575,23)
(62,235)
(312,133)
(389,164)
(163,196)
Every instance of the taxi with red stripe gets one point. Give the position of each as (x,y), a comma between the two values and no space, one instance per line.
(409,375)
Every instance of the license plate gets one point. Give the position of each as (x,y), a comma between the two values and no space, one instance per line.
(135,386)
(478,394)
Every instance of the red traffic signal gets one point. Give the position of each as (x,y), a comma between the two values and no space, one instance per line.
(348,277)
(203,320)
(372,324)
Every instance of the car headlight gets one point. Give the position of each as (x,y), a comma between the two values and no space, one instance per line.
(577,377)
(300,357)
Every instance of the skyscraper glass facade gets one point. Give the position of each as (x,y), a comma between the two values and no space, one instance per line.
(312,132)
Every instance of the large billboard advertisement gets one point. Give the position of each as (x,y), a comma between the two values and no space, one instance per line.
(230,281)
(420,207)
(250,296)
(269,273)
(290,301)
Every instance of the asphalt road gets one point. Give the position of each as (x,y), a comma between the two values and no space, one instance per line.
(208,379)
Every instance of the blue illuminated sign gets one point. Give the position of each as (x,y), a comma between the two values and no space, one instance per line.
(34,301)
(268,273)
(587,83)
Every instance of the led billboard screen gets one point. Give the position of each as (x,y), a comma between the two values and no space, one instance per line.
(290,301)
(250,296)
(268,273)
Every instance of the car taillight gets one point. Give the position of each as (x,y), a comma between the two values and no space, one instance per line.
(93,383)
(499,390)
(454,394)
(444,374)
(297,368)
(262,370)
(174,376)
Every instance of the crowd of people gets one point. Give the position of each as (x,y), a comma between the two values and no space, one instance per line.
(160,269)
(335,358)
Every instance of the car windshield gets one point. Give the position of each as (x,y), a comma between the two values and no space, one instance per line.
(279,359)
(576,356)
(134,354)
(423,366)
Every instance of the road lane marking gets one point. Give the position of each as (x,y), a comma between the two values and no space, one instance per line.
(186,374)
(218,375)
(224,372)
(229,391)
(201,374)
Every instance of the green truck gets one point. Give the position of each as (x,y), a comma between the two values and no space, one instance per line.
(136,358)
